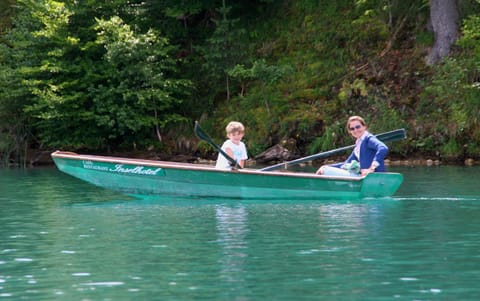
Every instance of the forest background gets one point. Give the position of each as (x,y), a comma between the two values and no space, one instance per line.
(128,76)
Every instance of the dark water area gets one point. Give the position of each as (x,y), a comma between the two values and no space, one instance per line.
(62,239)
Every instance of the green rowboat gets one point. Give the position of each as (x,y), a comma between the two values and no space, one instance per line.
(158,178)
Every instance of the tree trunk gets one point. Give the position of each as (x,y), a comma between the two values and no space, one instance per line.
(444,21)
(227,79)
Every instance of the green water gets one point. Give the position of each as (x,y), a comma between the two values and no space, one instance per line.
(61,239)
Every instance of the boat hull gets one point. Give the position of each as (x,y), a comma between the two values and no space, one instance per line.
(157,178)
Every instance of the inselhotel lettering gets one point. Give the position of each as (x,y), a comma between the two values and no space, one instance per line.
(120,168)
(136,170)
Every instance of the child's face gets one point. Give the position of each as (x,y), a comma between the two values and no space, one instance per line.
(236,136)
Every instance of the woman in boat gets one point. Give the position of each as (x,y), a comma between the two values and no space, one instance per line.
(368,155)
(233,146)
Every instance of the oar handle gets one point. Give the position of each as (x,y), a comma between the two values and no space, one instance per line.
(384,137)
(306,159)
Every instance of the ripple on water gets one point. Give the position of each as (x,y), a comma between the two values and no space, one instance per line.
(106,283)
(23,259)
(409,279)
(68,252)
(308,252)
(81,274)
(9,250)
(432,290)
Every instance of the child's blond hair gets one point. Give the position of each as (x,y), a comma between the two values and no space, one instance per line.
(235,126)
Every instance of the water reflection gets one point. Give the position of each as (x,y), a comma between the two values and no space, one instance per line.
(232,230)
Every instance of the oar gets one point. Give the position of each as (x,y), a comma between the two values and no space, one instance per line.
(384,137)
(204,136)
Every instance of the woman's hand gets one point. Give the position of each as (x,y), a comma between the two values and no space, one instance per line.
(320,171)
(365,172)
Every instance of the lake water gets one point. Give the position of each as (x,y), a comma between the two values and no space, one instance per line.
(62,239)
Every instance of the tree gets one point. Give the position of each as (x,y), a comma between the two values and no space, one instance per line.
(87,86)
(142,92)
(6,12)
(444,20)
(224,49)
(15,125)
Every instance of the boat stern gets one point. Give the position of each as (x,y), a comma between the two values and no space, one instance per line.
(380,184)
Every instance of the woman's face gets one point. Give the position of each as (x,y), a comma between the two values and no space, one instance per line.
(356,128)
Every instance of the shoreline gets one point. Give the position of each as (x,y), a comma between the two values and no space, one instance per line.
(42,158)
(388,162)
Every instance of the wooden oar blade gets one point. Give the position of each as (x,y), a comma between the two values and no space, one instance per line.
(200,133)
(392,135)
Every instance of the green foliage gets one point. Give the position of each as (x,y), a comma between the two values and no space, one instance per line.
(6,12)
(140,66)
(371,34)
(451,149)
(260,72)
(456,92)
(204,149)
(330,138)
(15,125)
(323,48)
(285,98)
(348,90)
(121,74)
(383,117)
(470,38)
(224,48)
(111,86)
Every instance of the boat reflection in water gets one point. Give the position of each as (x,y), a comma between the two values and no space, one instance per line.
(232,230)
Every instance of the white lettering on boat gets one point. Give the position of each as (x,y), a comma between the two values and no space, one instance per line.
(136,170)
(90,165)
(141,170)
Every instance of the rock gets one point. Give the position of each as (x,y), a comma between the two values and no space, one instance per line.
(274,153)
(40,158)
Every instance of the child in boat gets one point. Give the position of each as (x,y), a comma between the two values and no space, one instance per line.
(233,146)
(369,152)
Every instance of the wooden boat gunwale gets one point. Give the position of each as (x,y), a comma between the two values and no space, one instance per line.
(192,166)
